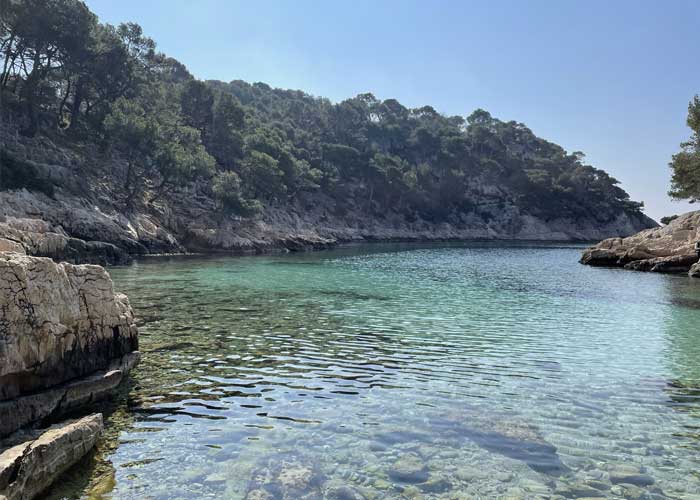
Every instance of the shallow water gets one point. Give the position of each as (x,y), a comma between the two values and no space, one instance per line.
(406,371)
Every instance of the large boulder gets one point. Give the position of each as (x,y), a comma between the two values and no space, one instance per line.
(59,323)
(667,249)
(695,270)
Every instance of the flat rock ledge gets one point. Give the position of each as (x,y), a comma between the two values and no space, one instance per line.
(28,468)
(667,249)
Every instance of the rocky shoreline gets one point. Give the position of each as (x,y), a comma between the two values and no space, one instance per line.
(81,217)
(36,225)
(66,340)
(667,249)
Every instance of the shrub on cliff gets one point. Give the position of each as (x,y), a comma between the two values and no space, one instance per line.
(668,219)
(226,187)
(18,174)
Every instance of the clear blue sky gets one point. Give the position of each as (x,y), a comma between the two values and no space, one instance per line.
(612,79)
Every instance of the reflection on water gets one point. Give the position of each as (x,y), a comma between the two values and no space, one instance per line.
(380,372)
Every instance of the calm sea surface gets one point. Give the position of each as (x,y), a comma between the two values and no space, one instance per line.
(405,371)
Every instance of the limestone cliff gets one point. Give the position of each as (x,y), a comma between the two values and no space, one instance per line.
(667,249)
(65,337)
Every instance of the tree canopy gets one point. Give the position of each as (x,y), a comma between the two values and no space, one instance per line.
(250,145)
(685,181)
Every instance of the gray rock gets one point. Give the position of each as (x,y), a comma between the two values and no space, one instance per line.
(37,237)
(409,468)
(695,270)
(672,264)
(344,493)
(58,323)
(667,249)
(29,468)
(629,474)
(25,410)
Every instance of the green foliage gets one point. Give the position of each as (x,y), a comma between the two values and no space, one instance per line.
(226,187)
(224,140)
(156,144)
(263,176)
(685,181)
(668,219)
(197,101)
(250,144)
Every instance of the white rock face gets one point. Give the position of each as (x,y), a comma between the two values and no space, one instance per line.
(38,237)
(29,468)
(663,249)
(58,322)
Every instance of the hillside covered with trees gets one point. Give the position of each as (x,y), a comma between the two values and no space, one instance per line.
(157,137)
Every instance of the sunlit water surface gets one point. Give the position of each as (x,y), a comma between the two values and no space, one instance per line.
(405,371)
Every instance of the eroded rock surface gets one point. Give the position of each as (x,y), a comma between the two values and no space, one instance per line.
(24,410)
(59,323)
(667,249)
(40,238)
(29,468)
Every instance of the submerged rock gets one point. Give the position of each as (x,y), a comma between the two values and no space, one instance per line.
(27,469)
(513,439)
(286,477)
(520,442)
(409,468)
(629,474)
(344,493)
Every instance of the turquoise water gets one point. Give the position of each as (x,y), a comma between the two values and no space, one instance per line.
(406,371)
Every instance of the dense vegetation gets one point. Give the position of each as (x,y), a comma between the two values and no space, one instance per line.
(249,146)
(685,182)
